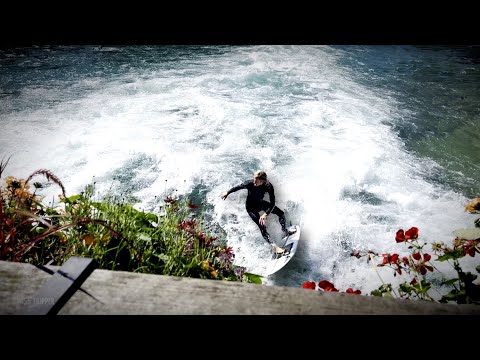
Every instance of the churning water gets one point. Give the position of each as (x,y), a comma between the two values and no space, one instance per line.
(358,141)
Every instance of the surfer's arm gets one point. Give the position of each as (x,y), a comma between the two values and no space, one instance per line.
(271,193)
(235,188)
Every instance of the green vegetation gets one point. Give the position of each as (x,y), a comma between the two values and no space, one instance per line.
(111,231)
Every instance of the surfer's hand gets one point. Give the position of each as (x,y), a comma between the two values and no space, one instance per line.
(263,219)
(224,196)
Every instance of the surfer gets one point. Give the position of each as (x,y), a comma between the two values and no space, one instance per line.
(257,187)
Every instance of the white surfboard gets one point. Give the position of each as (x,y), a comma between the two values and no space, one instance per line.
(289,243)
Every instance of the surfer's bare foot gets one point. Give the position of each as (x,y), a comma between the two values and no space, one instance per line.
(277,249)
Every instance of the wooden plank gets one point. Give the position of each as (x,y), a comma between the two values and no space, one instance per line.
(53,295)
(19,282)
(124,293)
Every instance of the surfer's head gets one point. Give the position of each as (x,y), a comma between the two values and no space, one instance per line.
(259,177)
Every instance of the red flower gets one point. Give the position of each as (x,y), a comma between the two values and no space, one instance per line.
(192,205)
(470,247)
(421,267)
(350,291)
(326,285)
(309,285)
(411,233)
(390,259)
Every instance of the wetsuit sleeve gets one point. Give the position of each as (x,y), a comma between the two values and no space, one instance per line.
(238,187)
(271,193)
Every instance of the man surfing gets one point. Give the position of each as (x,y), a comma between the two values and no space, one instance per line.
(257,187)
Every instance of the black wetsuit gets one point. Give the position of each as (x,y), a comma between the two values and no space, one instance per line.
(255,203)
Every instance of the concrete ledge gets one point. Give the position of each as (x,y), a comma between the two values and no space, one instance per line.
(125,293)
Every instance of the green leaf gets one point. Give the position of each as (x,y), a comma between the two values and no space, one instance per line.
(451,296)
(384,290)
(450,282)
(99,205)
(253,278)
(406,288)
(452,255)
(71,199)
(151,217)
(423,288)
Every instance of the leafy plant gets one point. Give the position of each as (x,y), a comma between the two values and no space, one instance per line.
(112,231)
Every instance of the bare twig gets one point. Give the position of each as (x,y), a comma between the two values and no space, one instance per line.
(3,164)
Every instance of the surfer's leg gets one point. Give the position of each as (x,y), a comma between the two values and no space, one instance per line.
(281,219)
(263,229)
